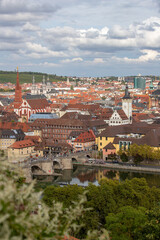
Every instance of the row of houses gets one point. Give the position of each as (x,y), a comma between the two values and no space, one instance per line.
(20,145)
(75,127)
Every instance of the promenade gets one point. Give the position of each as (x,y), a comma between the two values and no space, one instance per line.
(147,169)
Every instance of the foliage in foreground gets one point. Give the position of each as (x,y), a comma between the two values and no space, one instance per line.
(24,216)
(134,224)
(121,207)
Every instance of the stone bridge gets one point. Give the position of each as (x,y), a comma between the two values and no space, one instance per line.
(47,166)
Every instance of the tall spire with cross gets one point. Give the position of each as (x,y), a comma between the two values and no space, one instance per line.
(18,90)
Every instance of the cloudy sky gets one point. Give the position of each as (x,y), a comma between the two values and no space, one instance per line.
(81,37)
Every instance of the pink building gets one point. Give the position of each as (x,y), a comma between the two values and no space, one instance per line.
(107,150)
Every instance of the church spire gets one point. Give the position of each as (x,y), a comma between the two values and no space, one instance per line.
(17,82)
(18,90)
(33,80)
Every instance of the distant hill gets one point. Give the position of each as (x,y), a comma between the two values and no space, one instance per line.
(26,77)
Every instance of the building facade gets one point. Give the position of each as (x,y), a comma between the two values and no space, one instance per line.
(21,150)
(139,83)
(46,88)
(8,137)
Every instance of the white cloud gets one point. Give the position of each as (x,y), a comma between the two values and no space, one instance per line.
(49,64)
(148,55)
(30,27)
(60,32)
(72,60)
(38,51)
(98,60)
(119,32)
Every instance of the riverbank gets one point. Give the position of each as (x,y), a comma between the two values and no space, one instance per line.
(145,169)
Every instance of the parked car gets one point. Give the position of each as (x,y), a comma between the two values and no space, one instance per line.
(115,161)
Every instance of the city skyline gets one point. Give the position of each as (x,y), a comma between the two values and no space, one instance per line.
(81,38)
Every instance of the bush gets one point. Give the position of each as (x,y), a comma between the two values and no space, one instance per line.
(24,216)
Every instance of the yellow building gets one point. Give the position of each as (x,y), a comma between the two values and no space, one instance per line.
(107,174)
(6,142)
(9,136)
(103,141)
(123,136)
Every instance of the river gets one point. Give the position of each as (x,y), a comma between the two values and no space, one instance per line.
(82,175)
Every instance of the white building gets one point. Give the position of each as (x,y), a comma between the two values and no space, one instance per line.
(122,116)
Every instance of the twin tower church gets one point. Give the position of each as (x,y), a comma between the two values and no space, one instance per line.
(46,88)
(37,102)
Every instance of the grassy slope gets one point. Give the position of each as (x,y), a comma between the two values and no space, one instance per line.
(26,77)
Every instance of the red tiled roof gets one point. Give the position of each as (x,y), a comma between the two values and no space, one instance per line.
(86,107)
(104,113)
(109,146)
(22,144)
(34,139)
(122,114)
(38,103)
(87,136)
(15,105)
(56,122)
(15,125)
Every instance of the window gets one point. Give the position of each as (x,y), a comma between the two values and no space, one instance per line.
(100,138)
(100,144)
(106,138)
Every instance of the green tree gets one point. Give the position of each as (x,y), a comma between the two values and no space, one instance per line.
(103,98)
(124,157)
(67,194)
(144,152)
(151,227)
(126,224)
(109,197)
(72,88)
(138,159)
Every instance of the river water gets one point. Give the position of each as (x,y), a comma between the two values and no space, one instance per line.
(82,175)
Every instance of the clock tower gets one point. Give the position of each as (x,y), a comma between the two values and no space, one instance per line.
(127,104)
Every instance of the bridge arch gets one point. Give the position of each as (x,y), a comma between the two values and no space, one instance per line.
(36,169)
(56,164)
(74,159)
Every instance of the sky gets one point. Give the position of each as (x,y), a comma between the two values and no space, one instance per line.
(92,38)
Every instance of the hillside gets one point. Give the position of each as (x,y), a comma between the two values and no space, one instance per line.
(26,77)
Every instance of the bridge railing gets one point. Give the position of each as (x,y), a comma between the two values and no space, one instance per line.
(30,161)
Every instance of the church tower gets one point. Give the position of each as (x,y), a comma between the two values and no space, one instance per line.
(44,85)
(68,83)
(34,87)
(18,91)
(127,104)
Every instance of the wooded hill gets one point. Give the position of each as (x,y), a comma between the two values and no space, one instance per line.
(26,77)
